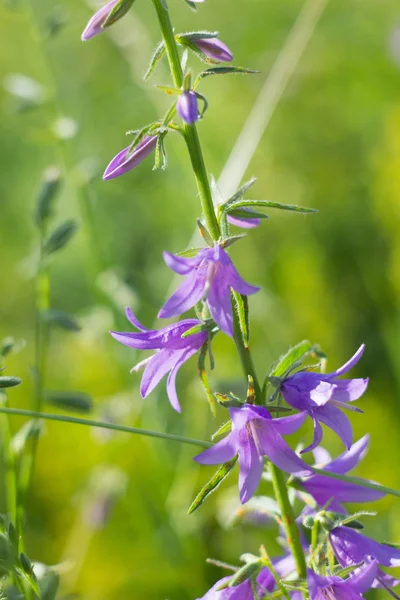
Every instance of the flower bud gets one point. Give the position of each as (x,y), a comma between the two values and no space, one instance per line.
(214,49)
(187,107)
(100,19)
(125,160)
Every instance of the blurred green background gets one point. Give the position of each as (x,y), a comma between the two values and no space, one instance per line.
(334,278)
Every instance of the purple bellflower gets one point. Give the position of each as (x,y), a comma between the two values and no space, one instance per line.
(171,352)
(209,275)
(256,434)
(95,25)
(322,396)
(125,160)
(214,49)
(351,548)
(245,222)
(323,489)
(335,588)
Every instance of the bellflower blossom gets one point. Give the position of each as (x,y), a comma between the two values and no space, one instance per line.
(335,588)
(171,352)
(322,396)
(214,49)
(95,25)
(351,547)
(256,434)
(125,160)
(324,489)
(187,107)
(210,274)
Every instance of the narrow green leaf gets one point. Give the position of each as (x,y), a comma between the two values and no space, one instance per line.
(8,381)
(232,239)
(242,213)
(225,428)
(193,330)
(246,572)
(241,191)
(191,5)
(49,189)
(76,401)
(205,233)
(201,367)
(116,13)
(267,204)
(30,429)
(158,54)
(181,38)
(240,305)
(169,90)
(190,252)
(48,585)
(60,237)
(61,319)
(225,71)
(294,354)
(212,485)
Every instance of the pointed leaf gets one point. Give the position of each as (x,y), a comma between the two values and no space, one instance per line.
(158,54)
(60,237)
(201,366)
(267,204)
(61,319)
(49,189)
(30,429)
(8,381)
(223,71)
(116,13)
(212,485)
(240,305)
(225,428)
(76,401)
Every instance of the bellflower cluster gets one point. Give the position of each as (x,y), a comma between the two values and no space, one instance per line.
(310,501)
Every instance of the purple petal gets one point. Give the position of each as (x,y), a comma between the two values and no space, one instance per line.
(214,49)
(159,365)
(349,460)
(279,453)
(317,436)
(350,363)
(219,453)
(125,160)
(169,337)
(323,489)
(244,222)
(180,264)
(348,390)
(251,466)
(289,425)
(241,416)
(352,547)
(235,281)
(362,580)
(133,319)
(94,27)
(171,382)
(322,393)
(384,580)
(321,456)
(333,418)
(219,302)
(186,296)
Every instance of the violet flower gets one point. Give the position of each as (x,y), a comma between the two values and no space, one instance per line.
(125,160)
(95,25)
(209,275)
(351,548)
(214,49)
(322,396)
(244,591)
(324,489)
(171,352)
(187,107)
(335,588)
(256,434)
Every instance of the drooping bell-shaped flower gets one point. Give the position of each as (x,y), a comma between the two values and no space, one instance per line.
(127,159)
(254,435)
(351,548)
(209,275)
(187,107)
(171,351)
(97,22)
(335,588)
(324,489)
(214,49)
(323,397)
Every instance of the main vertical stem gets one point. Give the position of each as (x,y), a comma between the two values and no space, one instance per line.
(203,186)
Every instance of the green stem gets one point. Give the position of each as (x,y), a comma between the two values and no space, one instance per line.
(190,131)
(203,186)
(289,519)
(10,472)
(112,426)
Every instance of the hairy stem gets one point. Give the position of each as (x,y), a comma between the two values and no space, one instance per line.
(203,186)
